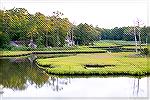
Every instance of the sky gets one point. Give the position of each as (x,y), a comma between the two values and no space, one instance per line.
(104,13)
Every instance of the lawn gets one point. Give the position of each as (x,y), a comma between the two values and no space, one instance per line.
(125,64)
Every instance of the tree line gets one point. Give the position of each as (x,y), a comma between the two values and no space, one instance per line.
(127,33)
(19,24)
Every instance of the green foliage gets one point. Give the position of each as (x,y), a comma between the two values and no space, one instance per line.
(21,48)
(1,20)
(85,34)
(146,51)
(19,24)
(4,40)
(126,33)
(15,23)
(122,33)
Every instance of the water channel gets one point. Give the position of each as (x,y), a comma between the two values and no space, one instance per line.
(20,77)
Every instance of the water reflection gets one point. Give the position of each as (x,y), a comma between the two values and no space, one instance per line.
(136,87)
(58,83)
(21,74)
(15,73)
(31,58)
(18,73)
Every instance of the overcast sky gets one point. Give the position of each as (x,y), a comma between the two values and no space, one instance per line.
(104,13)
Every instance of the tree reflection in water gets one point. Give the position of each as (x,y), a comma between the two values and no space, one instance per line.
(19,73)
(15,74)
(136,87)
(58,83)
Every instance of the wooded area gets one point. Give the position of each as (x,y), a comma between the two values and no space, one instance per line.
(18,24)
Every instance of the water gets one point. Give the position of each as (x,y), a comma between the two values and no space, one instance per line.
(20,77)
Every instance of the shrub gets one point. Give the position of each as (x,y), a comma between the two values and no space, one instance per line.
(21,48)
(146,51)
(7,47)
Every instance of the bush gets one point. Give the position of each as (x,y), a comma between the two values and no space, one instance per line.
(7,47)
(21,48)
(41,46)
(4,41)
(146,51)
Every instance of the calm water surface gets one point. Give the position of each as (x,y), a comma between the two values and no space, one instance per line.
(21,78)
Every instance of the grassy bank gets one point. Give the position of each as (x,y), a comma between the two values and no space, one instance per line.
(99,47)
(106,43)
(14,53)
(79,49)
(125,64)
(134,47)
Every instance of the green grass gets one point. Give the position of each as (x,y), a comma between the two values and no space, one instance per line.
(79,49)
(133,47)
(76,49)
(13,53)
(53,55)
(104,43)
(74,65)
(73,48)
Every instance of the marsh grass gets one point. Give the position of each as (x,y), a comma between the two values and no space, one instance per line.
(74,65)
(133,47)
(14,53)
(79,49)
(104,43)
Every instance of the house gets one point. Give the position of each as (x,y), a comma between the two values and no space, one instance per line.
(19,43)
(23,43)
(69,41)
(32,45)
